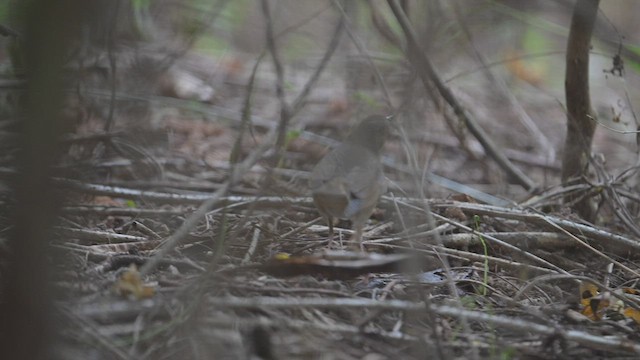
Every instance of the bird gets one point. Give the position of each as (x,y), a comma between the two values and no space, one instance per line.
(348,182)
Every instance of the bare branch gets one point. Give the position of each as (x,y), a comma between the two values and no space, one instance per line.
(428,75)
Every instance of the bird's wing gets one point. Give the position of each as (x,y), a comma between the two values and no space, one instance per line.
(358,173)
(325,171)
(365,189)
(362,179)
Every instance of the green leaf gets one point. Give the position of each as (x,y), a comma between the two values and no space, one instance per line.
(292,135)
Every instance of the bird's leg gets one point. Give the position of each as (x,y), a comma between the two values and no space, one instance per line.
(357,236)
(330,238)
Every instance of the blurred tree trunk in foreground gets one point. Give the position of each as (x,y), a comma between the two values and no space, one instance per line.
(581,122)
(25,306)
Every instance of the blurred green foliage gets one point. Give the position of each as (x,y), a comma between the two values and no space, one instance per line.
(209,44)
(367,99)
(535,41)
(291,136)
(299,46)
(633,65)
(533,20)
(140,4)
(232,17)
(4,11)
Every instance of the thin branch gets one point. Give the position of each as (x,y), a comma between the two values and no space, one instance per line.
(363,50)
(503,322)
(285,111)
(246,114)
(111,42)
(613,242)
(428,75)
(236,174)
(543,142)
(298,103)
(98,236)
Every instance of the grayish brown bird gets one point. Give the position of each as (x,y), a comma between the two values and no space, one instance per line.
(348,182)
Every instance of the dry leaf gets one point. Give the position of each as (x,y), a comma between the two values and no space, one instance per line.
(130,284)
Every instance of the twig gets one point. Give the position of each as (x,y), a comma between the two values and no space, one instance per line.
(475,150)
(246,114)
(504,263)
(298,103)
(525,240)
(111,41)
(285,110)
(363,50)
(611,196)
(499,242)
(552,194)
(116,211)
(115,256)
(576,278)
(134,194)
(236,174)
(504,322)
(301,228)
(592,249)
(110,249)
(87,327)
(98,236)
(428,75)
(252,246)
(299,325)
(606,237)
(543,143)
(383,27)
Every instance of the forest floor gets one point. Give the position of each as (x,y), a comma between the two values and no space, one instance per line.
(461,262)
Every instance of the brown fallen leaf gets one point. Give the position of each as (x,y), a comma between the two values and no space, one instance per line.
(341,265)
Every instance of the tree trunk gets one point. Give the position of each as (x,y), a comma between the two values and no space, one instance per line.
(581,122)
(26,325)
